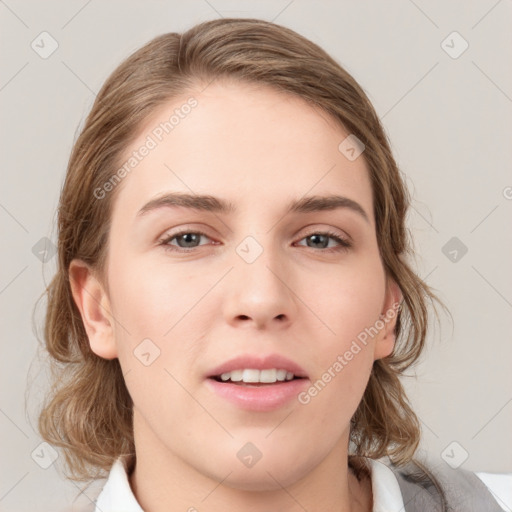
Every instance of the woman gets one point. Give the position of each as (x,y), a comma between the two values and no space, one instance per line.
(234,305)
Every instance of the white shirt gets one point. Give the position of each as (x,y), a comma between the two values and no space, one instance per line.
(117,495)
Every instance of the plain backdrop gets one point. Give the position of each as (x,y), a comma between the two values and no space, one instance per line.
(439,76)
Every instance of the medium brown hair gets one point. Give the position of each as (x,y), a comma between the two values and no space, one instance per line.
(88,411)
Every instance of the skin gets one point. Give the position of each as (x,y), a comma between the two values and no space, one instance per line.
(259,149)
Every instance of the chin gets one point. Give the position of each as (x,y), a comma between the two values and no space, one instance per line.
(265,477)
(270,469)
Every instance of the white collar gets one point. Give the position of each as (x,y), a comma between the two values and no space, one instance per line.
(117,495)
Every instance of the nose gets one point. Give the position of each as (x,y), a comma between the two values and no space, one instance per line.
(259,293)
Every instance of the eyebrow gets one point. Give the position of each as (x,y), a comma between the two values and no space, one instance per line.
(214,204)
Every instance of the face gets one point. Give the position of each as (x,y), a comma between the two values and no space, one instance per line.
(197,294)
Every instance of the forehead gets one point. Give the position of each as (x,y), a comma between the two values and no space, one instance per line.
(249,144)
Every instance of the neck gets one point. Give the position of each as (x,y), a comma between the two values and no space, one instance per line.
(162,481)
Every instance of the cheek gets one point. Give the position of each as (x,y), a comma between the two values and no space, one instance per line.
(157,329)
(349,307)
(149,299)
(348,302)
(148,304)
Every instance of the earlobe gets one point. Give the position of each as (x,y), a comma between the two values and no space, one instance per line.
(94,306)
(386,340)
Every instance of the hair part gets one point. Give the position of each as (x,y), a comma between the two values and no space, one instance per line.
(88,412)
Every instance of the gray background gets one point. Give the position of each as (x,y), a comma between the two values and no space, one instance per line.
(450,124)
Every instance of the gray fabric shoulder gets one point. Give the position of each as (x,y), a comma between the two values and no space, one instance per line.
(423,484)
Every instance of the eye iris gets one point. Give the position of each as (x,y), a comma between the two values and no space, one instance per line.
(187,236)
(325,242)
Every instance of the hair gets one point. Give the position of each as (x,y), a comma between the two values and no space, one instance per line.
(88,411)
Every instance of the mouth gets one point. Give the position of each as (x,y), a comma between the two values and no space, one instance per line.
(253,377)
(258,383)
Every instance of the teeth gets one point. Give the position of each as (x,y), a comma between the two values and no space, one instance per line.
(281,375)
(249,375)
(236,376)
(268,375)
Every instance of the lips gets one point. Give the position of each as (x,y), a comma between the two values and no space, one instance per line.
(255,383)
(260,393)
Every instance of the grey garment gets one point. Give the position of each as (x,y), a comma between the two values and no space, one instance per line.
(463,490)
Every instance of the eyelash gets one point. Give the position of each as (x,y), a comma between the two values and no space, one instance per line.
(344,245)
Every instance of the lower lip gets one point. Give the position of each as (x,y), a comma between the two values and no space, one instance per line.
(267,397)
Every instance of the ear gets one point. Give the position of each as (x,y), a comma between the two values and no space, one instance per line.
(385,342)
(94,306)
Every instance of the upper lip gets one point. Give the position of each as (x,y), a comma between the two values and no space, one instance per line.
(258,362)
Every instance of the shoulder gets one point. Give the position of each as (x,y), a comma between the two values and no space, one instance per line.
(500,486)
(426,485)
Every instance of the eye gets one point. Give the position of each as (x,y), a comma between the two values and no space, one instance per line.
(185,239)
(322,241)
